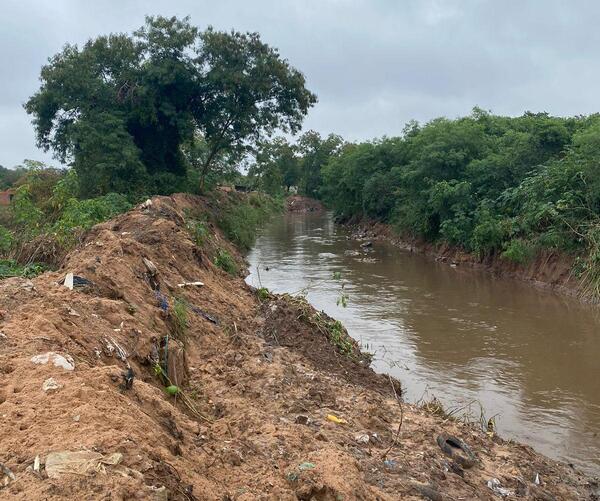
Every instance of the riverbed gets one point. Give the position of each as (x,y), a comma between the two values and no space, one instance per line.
(484,347)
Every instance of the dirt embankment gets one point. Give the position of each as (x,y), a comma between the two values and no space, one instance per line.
(298,203)
(548,270)
(269,398)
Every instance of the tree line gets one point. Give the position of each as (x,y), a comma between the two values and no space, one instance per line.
(492,185)
(171,107)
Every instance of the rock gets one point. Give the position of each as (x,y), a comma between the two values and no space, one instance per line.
(64,361)
(51,385)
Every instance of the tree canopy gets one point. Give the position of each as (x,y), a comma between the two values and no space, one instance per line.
(120,108)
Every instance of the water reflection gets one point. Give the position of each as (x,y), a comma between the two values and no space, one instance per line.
(529,356)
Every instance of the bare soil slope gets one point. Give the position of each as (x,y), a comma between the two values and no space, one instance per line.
(258,378)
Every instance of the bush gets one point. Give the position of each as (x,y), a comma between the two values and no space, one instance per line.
(225,261)
(6,240)
(198,231)
(518,251)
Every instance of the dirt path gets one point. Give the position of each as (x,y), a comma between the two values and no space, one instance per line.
(257,381)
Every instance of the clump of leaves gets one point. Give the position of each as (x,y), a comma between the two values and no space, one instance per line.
(6,240)
(10,268)
(225,261)
(180,318)
(198,231)
(263,293)
(339,338)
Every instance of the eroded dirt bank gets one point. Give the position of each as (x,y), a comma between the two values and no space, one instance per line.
(258,377)
(547,271)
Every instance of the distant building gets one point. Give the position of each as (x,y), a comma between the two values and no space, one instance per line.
(6,197)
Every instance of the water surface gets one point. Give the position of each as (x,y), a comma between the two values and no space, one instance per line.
(530,357)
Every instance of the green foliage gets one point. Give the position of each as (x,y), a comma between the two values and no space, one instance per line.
(339,338)
(6,240)
(241,217)
(198,231)
(482,182)
(263,294)
(10,268)
(122,107)
(225,261)
(180,318)
(518,251)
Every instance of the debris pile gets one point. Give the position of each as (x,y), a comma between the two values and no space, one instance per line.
(140,370)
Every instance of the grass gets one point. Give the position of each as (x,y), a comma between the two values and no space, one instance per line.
(225,261)
(241,217)
(180,318)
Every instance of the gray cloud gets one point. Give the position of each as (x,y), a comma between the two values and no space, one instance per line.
(374,64)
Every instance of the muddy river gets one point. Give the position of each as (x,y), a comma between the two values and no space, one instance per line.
(528,357)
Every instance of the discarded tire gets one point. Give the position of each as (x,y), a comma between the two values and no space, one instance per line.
(457,450)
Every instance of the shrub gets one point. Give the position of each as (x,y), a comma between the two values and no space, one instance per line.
(225,261)
(198,231)
(518,251)
(6,240)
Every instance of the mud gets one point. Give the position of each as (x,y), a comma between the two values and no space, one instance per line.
(256,389)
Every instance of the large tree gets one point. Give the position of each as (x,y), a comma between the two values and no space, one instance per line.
(120,108)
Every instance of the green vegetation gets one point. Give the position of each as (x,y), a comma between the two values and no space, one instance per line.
(149,111)
(197,230)
(241,216)
(263,294)
(489,184)
(10,268)
(280,165)
(46,219)
(225,261)
(180,318)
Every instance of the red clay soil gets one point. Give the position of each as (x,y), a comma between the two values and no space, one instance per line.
(549,270)
(257,379)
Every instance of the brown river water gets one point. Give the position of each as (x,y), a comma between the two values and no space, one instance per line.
(530,358)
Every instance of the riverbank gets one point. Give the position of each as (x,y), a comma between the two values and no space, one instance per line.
(157,387)
(548,270)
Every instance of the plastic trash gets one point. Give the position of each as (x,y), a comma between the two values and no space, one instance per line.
(80,462)
(75,282)
(64,361)
(336,420)
(190,284)
(496,487)
(7,476)
(172,390)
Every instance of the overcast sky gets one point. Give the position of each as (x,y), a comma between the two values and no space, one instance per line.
(374,64)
